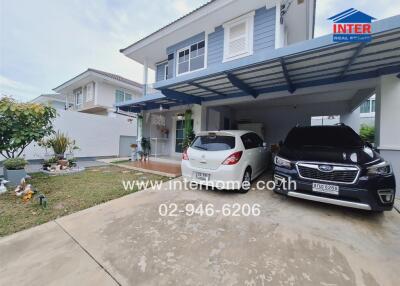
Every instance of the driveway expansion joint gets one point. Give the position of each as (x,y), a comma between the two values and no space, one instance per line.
(88,253)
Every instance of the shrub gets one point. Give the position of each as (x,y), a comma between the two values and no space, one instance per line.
(21,124)
(15,164)
(59,142)
(367,133)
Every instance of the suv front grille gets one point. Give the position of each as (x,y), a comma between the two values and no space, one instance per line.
(338,174)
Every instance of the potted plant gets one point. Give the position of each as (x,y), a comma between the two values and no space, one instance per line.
(188,130)
(145,144)
(164,131)
(14,170)
(72,162)
(141,155)
(71,148)
(59,143)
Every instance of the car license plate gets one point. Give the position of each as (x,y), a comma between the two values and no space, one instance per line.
(202,176)
(324,188)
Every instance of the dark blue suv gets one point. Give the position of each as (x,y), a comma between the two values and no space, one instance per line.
(332,164)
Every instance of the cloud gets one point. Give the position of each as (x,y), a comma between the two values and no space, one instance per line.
(18,90)
(49,42)
(182,6)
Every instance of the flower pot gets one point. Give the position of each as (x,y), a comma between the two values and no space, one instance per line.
(63,163)
(14,176)
(59,156)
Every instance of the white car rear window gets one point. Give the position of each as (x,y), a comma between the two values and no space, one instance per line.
(214,143)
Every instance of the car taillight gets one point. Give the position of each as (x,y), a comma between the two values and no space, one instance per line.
(233,159)
(185,155)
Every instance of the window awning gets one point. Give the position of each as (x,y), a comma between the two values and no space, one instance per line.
(311,63)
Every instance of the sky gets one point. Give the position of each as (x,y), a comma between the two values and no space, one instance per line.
(44,43)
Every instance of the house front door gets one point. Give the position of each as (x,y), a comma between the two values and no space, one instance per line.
(180,135)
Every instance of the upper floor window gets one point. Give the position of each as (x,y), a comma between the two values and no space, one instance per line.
(89,92)
(166,71)
(238,37)
(78,97)
(191,58)
(121,96)
(368,106)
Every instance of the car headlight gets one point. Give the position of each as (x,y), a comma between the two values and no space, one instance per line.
(279,161)
(382,168)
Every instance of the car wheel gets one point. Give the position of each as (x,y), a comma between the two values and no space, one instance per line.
(246,178)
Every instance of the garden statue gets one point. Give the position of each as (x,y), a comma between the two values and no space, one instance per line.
(24,190)
(3,188)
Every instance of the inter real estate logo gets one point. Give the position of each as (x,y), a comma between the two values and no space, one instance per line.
(352,26)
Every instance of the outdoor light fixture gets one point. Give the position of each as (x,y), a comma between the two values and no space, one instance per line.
(180,116)
(161,108)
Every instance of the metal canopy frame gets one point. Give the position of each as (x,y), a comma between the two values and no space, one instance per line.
(306,64)
(328,65)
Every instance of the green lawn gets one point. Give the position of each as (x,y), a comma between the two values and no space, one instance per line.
(66,195)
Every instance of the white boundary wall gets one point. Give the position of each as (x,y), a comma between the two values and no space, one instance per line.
(96,135)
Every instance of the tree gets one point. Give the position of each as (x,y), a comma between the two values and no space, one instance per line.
(21,124)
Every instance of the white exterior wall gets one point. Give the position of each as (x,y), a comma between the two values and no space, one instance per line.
(170,116)
(95,135)
(105,95)
(388,120)
(278,120)
(352,119)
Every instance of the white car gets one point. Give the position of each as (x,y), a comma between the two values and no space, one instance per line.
(225,159)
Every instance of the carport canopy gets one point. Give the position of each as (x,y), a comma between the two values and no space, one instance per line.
(310,63)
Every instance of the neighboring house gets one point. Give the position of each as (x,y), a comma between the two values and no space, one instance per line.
(255,65)
(367,111)
(86,112)
(55,100)
(96,92)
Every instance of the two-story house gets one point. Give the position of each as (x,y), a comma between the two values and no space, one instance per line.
(97,92)
(54,100)
(254,64)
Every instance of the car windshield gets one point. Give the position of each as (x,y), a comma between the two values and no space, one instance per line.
(214,143)
(323,136)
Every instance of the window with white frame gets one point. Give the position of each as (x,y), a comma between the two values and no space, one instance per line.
(238,37)
(191,58)
(89,92)
(368,106)
(166,71)
(78,97)
(121,96)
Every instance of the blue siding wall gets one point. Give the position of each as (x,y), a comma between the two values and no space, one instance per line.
(264,39)
(185,43)
(215,46)
(160,71)
(264,29)
(264,36)
(173,49)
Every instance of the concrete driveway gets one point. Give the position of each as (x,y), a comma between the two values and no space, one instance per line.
(127,242)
